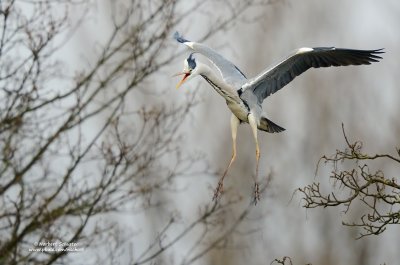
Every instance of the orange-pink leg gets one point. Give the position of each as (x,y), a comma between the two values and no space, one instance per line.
(234,125)
(253,125)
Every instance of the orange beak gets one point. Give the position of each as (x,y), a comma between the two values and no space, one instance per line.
(185,75)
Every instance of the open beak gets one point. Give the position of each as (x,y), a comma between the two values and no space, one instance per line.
(185,75)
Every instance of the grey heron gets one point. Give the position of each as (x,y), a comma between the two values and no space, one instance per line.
(244,96)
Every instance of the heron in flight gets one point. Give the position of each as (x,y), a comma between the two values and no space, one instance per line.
(244,96)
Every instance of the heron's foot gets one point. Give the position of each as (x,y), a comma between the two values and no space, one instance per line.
(218,191)
(256,193)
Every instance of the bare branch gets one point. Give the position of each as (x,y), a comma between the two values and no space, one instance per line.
(379,193)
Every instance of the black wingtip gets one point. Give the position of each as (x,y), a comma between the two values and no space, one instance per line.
(374,54)
(179,38)
(378,51)
(381,50)
(365,56)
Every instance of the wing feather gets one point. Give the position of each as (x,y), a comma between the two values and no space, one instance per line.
(275,78)
(229,72)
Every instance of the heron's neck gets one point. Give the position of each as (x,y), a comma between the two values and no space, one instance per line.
(217,82)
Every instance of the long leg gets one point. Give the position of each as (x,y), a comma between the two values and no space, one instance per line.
(234,125)
(253,125)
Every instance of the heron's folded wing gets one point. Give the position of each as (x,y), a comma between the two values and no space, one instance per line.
(229,72)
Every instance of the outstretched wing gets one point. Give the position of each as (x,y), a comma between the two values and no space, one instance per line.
(229,72)
(273,79)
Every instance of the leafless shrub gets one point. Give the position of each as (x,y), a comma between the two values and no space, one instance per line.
(378,192)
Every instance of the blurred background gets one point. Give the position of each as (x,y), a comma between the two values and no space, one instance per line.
(176,222)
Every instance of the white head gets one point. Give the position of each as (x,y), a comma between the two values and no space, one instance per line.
(190,70)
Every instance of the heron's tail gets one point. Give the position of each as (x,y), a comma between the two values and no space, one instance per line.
(269,126)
